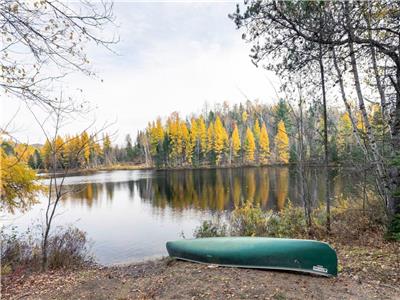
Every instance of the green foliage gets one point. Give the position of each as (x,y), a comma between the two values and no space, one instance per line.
(248,221)
(393,231)
(349,221)
(210,229)
(289,222)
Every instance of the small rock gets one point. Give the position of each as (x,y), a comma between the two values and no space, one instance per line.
(357,279)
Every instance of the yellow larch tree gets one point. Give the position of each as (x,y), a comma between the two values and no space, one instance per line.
(221,139)
(257,131)
(18,185)
(187,148)
(152,134)
(264,145)
(159,130)
(282,143)
(235,141)
(249,145)
(210,138)
(175,136)
(85,141)
(360,123)
(194,137)
(23,152)
(244,117)
(344,133)
(202,133)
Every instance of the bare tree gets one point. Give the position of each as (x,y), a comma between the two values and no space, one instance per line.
(45,40)
(57,170)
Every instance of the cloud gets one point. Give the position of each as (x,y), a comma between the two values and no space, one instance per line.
(172,57)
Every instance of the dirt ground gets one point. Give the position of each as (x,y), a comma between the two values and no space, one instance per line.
(366,271)
(171,279)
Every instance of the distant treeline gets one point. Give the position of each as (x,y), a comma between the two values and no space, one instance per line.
(248,134)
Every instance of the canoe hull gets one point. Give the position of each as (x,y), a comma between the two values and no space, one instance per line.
(261,253)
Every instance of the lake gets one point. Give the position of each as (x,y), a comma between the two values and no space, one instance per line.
(129,215)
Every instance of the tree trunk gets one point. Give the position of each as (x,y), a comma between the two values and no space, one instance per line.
(347,105)
(326,149)
(377,158)
(300,163)
(394,172)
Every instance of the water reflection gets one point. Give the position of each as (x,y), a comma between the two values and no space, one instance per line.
(130,215)
(215,189)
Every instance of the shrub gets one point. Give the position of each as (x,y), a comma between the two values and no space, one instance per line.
(17,251)
(393,231)
(248,221)
(210,229)
(350,221)
(289,222)
(67,248)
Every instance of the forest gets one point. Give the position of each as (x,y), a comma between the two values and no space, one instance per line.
(245,134)
(335,110)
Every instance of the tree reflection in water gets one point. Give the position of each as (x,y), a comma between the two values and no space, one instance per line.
(216,189)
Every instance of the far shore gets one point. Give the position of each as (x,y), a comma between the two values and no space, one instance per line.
(42,173)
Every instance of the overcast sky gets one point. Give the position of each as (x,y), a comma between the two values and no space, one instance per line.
(171,57)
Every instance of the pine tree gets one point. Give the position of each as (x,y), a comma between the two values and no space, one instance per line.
(264,145)
(282,143)
(282,113)
(129,148)
(249,145)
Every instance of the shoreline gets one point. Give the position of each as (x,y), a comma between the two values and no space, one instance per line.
(42,174)
(366,272)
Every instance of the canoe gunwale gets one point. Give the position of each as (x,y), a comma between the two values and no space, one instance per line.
(258,267)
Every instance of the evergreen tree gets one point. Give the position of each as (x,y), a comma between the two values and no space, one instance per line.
(129,148)
(282,113)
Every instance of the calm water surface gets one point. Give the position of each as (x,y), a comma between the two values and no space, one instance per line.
(129,215)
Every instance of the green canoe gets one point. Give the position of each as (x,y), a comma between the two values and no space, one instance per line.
(257,252)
